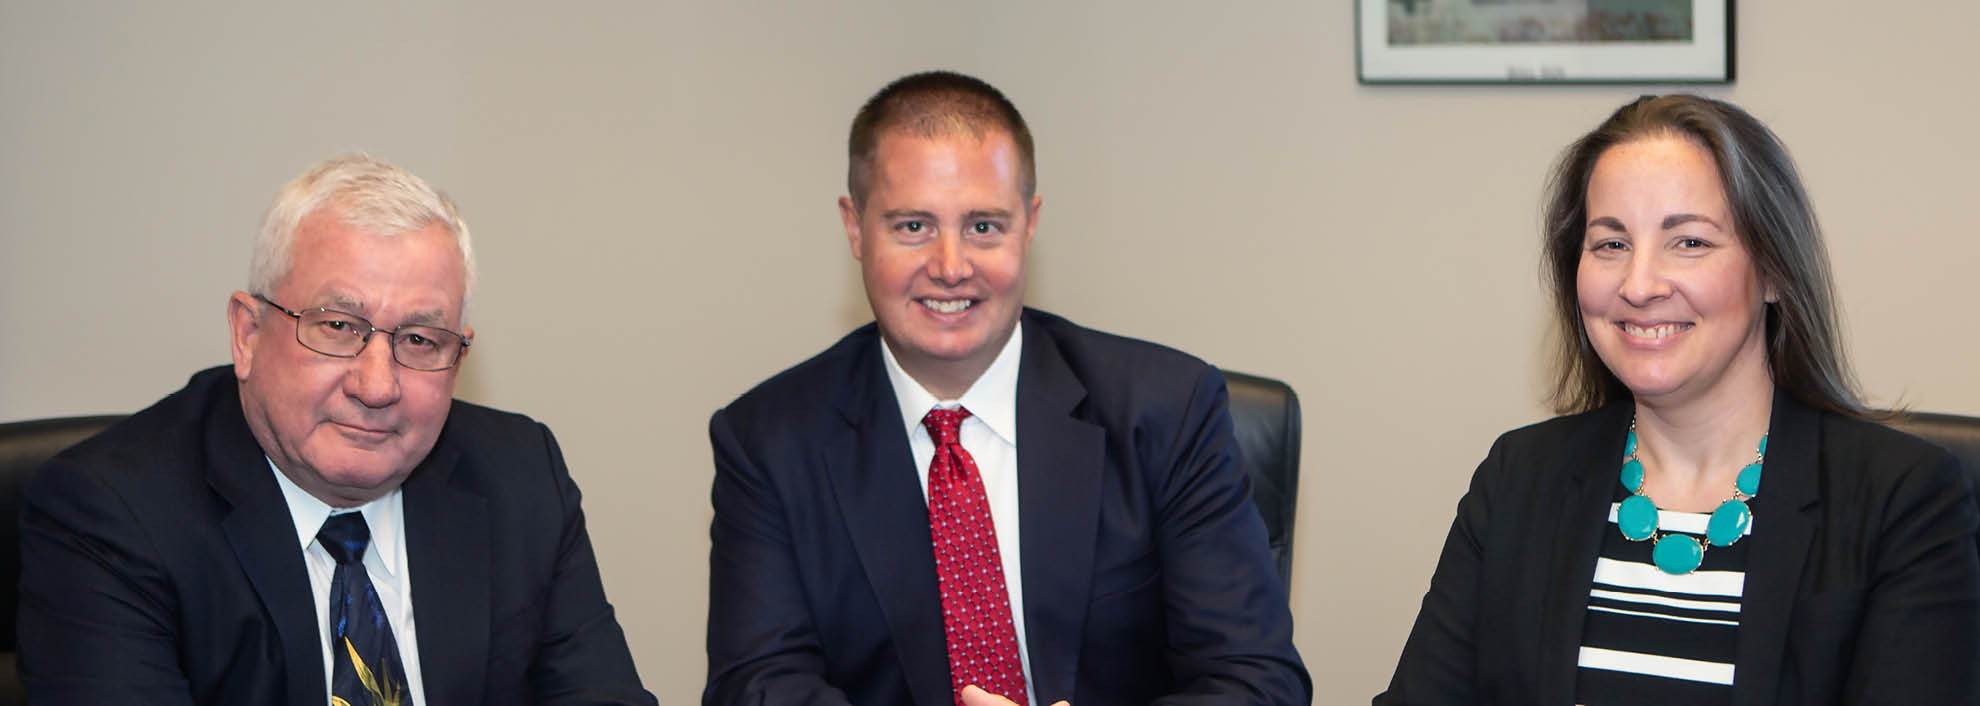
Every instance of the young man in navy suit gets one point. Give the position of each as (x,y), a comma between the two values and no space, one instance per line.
(321,522)
(971,502)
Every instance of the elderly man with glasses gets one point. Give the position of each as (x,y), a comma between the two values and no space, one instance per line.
(322,521)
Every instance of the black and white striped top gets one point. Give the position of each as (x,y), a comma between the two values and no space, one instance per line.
(1655,638)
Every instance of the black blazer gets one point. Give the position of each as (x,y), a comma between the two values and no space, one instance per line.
(1862,583)
(1145,567)
(159,565)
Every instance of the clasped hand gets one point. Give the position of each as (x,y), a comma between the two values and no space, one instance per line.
(974,696)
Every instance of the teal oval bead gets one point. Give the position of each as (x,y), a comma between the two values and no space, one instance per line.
(1632,475)
(1728,523)
(1629,445)
(1763,445)
(1677,554)
(1749,479)
(1637,518)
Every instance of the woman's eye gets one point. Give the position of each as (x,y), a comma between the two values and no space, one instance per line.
(1691,243)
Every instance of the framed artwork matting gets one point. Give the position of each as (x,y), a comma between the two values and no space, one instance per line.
(1544,41)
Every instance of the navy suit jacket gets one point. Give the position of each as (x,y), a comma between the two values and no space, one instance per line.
(159,565)
(1862,582)
(1146,574)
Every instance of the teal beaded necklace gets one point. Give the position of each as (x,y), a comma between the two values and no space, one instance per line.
(1676,553)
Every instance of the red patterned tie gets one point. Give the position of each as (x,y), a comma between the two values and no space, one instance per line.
(976,609)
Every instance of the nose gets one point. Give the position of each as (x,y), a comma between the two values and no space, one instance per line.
(1644,282)
(374,378)
(949,265)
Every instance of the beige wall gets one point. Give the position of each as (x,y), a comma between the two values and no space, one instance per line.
(652,190)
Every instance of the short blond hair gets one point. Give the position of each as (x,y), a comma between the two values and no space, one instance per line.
(935,104)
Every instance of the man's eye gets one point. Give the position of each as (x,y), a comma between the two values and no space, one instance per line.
(416,340)
(912,226)
(336,325)
(984,228)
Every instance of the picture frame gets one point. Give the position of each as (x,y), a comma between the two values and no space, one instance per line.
(1544,41)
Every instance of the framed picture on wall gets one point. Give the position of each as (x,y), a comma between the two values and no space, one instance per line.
(1544,41)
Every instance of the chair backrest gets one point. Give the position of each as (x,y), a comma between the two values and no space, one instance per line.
(1265,419)
(1958,435)
(24,446)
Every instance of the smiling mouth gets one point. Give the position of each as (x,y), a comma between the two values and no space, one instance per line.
(1657,332)
(947,306)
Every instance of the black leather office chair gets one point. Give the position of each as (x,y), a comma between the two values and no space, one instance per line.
(1265,419)
(1959,435)
(23,448)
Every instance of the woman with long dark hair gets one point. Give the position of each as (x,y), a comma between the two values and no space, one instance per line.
(1718,519)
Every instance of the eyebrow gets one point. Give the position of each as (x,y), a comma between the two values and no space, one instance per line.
(905,213)
(423,317)
(1671,221)
(345,303)
(996,213)
(1677,219)
(1608,222)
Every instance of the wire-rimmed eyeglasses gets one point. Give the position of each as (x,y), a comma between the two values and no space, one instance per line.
(344,335)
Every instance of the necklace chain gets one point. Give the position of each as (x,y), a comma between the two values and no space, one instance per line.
(1759,458)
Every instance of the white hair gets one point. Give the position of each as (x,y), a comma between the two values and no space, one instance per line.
(367,194)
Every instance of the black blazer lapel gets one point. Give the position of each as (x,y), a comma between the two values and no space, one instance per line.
(448,552)
(1061,462)
(263,535)
(1783,532)
(873,478)
(1580,515)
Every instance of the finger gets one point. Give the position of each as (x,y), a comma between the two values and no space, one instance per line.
(973,695)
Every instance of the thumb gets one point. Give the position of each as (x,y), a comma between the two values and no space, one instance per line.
(973,695)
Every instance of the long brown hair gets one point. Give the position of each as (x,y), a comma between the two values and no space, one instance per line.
(1773,219)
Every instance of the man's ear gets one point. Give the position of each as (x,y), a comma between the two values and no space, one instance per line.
(849,216)
(1031,218)
(244,327)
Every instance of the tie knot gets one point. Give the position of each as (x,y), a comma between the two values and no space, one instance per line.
(345,537)
(942,423)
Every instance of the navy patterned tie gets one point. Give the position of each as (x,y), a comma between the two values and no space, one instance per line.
(364,658)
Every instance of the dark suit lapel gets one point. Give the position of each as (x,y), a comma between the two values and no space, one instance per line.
(448,552)
(1061,461)
(1783,531)
(873,477)
(263,534)
(1580,514)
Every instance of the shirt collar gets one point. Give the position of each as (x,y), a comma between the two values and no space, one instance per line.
(992,398)
(381,516)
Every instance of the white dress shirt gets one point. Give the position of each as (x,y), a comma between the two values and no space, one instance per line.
(384,562)
(990,437)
